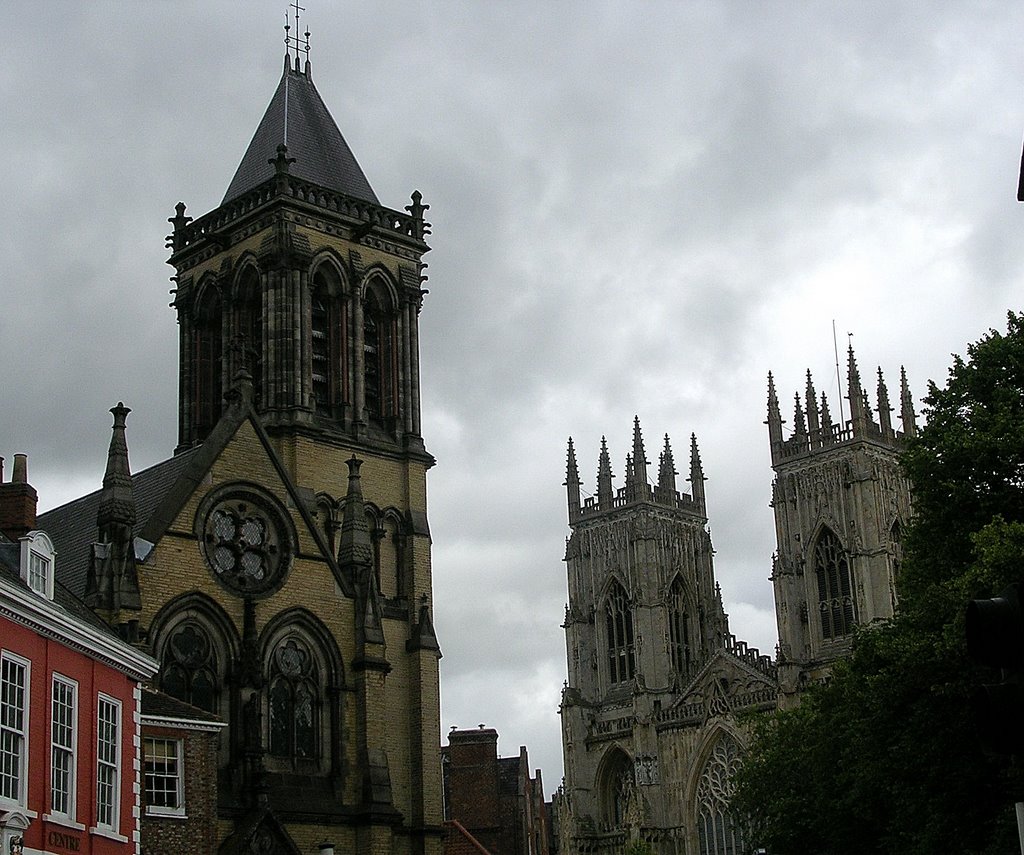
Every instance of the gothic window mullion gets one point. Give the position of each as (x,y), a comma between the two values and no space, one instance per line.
(295,704)
(835,589)
(620,637)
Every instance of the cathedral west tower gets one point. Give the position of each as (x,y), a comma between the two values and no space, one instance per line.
(841,501)
(655,679)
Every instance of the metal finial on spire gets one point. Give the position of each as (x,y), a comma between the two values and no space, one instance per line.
(295,41)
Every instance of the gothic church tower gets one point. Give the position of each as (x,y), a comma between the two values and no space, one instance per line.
(840,502)
(302,279)
(278,565)
(655,679)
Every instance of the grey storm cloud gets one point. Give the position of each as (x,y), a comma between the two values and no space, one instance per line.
(637,209)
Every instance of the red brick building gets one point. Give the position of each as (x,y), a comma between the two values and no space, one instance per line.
(492,799)
(179,786)
(70,695)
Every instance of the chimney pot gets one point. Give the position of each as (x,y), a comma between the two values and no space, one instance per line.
(17,501)
(20,475)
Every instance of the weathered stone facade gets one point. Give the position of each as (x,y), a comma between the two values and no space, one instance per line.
(840,502)
(650,734)
(278,566)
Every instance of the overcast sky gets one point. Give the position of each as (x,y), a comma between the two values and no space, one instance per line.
(638,209)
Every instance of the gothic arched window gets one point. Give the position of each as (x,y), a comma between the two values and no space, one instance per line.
(619,633)
(679,630)
(390,556)
(294,702)
(718,831)
(617,788)
(835,592)
(379,361)
(328,351)
(896,541)
(208,389)
(249,328)
(189,668)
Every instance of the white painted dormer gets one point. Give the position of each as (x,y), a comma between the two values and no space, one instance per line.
(37,562)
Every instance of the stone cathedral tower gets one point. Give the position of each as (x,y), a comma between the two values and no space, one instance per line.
(840,502)
(278,565)
(650,737)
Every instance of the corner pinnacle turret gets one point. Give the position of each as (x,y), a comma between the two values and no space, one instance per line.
(813,427)
(636,490)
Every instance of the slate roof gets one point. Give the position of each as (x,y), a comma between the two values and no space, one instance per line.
(159,705)
(63,599)
(298,117)
(72,527)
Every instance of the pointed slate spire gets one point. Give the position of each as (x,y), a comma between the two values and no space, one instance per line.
(604,477)
(112,583)
(636,473)
(355,552)
(696,473)
(884,408)
(298,118)
(667,474)
(907,415)
(813,423)
(117,504)
(423,635)
(572,482)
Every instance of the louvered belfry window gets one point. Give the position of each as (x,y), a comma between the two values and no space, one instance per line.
(619,628)
(835,591)
(678,629)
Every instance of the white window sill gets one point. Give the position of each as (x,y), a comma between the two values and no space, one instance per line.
(7,805)
(109,833)
(63,819)
(166,813)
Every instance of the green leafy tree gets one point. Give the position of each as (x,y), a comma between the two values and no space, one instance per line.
(883,757)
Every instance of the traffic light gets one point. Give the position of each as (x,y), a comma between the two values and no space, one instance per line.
(995,638)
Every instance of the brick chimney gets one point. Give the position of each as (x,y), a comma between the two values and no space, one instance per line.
(17,500)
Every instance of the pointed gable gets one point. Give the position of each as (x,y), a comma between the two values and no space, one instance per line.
(732,681)
(298,118)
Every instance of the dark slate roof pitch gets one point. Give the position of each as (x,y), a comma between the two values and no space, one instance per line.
(63,599)
(159,705)
(298,117)
(72,527)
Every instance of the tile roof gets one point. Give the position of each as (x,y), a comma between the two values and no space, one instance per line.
(298,117)
(72,527)
(458,841)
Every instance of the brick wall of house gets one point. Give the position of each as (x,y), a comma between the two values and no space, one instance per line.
(196,830)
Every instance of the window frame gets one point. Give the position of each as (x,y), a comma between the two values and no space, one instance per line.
(38,554)
(680,652)
(621,636)
(837,603)
(178,776)
(113,823)
(21,733)
(71,751)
